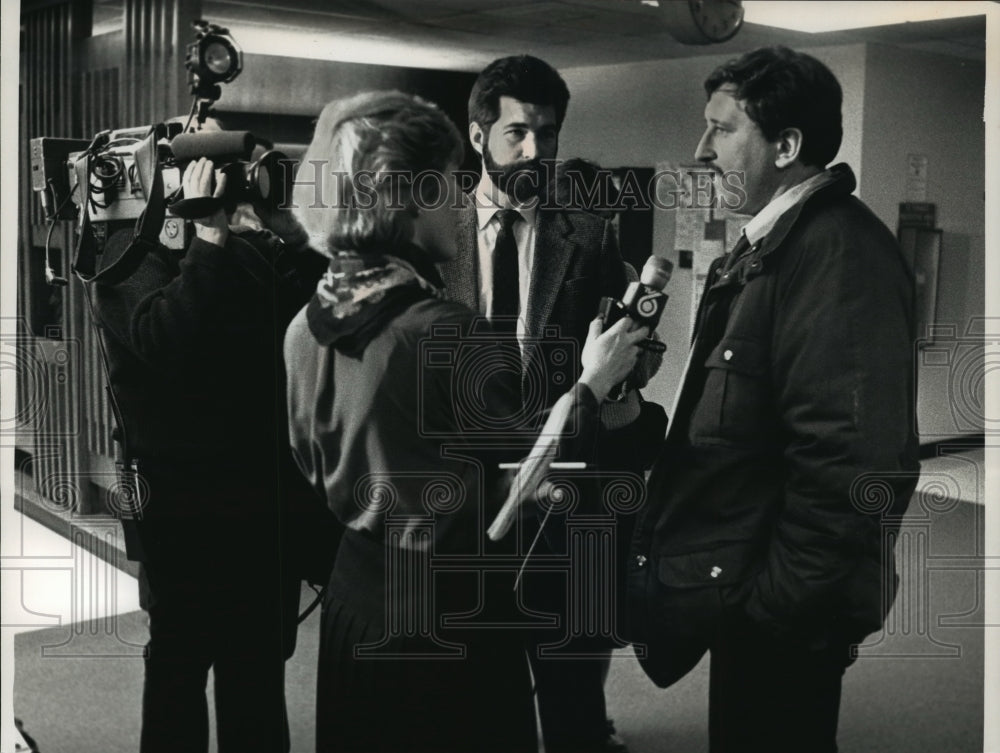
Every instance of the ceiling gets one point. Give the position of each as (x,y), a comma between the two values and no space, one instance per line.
(467,34)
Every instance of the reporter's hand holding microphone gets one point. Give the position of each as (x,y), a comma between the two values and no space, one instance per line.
(632,321)
(643,302)
(609,357)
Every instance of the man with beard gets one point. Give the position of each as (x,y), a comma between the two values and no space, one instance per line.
(537,272)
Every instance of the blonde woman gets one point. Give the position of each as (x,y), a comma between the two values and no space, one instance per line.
(412,656)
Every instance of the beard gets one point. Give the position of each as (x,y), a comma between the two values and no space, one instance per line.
(521,181)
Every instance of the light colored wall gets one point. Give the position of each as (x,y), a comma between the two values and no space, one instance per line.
(896,102)
(921,103)
(642,113)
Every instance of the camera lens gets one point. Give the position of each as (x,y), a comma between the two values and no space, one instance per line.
(267,179)
(264,182)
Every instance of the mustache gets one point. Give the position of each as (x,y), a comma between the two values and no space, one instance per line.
(508,172)
(520,180)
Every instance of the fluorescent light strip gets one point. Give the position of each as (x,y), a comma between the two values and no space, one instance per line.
(346,47)
(816,17)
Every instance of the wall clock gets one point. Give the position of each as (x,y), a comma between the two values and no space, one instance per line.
(702,21)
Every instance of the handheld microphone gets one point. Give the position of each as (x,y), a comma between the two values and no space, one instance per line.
(644,302)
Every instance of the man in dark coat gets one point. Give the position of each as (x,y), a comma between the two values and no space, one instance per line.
(193,342)
(759,542)
(538,272)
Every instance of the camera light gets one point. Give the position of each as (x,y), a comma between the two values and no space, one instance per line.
(213,58)
(217,59)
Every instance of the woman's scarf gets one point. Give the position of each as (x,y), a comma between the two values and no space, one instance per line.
(359,295)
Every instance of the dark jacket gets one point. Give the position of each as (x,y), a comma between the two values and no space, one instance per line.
(407,428)
(576,262)
(193,343)
(392,403)
(796,413)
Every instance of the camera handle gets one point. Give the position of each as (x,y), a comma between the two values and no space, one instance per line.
(194,208)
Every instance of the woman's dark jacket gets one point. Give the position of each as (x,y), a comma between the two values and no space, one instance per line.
(402,421)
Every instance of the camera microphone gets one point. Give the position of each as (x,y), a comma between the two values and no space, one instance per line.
(264,183)
(213,145)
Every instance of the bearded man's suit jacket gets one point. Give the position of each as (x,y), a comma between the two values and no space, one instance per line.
(576,262)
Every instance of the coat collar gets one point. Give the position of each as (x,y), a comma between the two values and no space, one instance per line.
(554,247)
(841,182)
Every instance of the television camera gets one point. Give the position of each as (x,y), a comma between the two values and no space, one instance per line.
(124,189)
(128,181)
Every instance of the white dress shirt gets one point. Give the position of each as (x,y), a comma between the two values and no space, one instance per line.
(487,229)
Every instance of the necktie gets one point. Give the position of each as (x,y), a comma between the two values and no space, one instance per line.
(506,298)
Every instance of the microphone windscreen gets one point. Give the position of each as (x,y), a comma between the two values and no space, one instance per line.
(656,272)
(213,144)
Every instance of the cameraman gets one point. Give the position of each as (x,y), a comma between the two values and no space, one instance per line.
(193,343)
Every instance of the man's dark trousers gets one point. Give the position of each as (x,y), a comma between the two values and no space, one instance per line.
(230,612)
(773,696)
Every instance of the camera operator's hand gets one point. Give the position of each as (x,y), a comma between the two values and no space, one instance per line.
(197,182)
(608,357)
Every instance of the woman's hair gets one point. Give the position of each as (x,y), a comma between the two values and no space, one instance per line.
(359,182)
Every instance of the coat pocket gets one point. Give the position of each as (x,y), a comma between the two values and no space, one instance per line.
(723,565)
(679,627)
(685,598)
(736,404)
